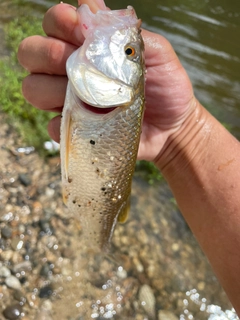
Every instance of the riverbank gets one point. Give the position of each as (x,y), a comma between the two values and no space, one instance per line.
(42,263)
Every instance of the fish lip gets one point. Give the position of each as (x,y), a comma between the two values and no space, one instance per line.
(97,110)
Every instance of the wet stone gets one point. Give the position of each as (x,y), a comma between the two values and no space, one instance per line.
(45,226)
(4,272)
(6,232)
(166,315)
(19,296)
(2,244)
(13,282)
(46,270)
(24,179)
(16,244)
(13,312)
(45,292)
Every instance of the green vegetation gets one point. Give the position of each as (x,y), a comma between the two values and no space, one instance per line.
(30,122)
(148,171)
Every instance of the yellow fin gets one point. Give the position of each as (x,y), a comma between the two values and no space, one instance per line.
(65,150)
(124,211)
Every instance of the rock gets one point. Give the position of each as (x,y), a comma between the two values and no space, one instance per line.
(4,272)
(147,300)
(46,269)
(13,282)
(13,312)
(6,232)
(17,244)
(22,266)
(24,179)
(166,315)
(19,296)
(45,292)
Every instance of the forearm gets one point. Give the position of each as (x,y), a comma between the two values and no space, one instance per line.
(202,166)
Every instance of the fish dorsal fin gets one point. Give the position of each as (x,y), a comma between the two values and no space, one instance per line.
(124,211)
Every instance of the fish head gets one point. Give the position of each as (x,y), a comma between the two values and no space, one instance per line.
(109,67)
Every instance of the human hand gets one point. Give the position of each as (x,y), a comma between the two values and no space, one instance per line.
(169,94)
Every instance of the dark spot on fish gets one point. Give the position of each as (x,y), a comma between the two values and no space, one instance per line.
(79,206)
(74,201)
(92,162)
(103,189)
(92,142)
(69,179)
(97,170)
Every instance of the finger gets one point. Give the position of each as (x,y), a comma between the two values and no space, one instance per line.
(45,92)
(94,5)
(54,128)
(61,22)
(40,54)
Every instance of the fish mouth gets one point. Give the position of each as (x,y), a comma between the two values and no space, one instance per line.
(96,110)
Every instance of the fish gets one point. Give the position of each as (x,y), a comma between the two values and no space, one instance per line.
(101,121)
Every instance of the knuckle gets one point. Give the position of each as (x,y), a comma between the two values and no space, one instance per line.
(55,56)
(27,88)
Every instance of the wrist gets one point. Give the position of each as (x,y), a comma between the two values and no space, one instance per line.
(188,143)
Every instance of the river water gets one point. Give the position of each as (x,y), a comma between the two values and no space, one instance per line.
(206,37)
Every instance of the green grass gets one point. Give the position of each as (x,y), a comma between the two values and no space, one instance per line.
(148,171)
(31,123)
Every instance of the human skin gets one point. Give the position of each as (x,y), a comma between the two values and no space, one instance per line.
(198,157)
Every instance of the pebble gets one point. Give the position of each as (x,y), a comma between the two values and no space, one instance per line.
(45,292)
(6,232)
(4,272)
(13,282)
(22,266)
(13,312)
(17,244)
(147,300)
(24,179)
(19,296)
(166,315)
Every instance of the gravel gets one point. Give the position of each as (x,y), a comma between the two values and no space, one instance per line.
(46,273)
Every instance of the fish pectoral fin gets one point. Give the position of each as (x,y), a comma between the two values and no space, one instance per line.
(124,211)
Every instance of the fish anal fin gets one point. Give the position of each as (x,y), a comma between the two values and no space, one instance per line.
(65,195)
(124,211)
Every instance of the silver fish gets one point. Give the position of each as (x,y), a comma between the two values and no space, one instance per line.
(101,122)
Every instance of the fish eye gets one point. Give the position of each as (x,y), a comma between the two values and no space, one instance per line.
(130,51)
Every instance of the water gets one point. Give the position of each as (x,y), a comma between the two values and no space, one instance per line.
(206,36)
